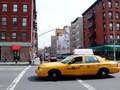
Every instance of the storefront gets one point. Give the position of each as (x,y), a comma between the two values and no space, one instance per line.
(15,51)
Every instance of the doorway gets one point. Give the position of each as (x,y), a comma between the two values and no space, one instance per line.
(16,55)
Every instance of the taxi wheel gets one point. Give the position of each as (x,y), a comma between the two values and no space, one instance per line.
(103,73)
(54,75)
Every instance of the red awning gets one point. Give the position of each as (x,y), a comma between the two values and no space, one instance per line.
(16,47)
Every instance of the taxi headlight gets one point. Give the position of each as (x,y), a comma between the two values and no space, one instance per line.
(41,69)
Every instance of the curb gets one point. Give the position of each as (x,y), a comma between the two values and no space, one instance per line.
(12,64)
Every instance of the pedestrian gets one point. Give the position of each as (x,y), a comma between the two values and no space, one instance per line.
(5,59)
(40,58)
(15,59)
(49,58)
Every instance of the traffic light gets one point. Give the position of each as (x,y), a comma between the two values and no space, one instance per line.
(59,33)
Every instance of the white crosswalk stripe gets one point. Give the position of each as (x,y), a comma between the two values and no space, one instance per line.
(89,87)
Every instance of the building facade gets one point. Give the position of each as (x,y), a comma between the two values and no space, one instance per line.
(54,45)
(76,33)
(17,29)
(101,26)
(63,40)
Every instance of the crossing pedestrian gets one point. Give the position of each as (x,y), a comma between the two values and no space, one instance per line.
(40,58)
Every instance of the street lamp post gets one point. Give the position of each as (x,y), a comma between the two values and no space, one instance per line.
(114,52)
(114,38)
(114,47)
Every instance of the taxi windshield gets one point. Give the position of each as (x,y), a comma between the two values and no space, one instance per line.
(67,59)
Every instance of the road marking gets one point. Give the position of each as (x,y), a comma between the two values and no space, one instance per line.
(17,79)
(89,87)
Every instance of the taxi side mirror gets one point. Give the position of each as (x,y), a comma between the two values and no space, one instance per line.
(104,58)
(70,62)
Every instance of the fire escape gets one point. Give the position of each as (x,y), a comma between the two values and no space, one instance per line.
(91,27)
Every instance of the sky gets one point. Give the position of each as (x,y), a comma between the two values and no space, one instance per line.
(52,14)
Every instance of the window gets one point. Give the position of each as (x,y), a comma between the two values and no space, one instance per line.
(24,22)
(118,26)
(103,5)
(14,21)
(118,38)
(110,14)
(77,60)
(103,16)
(104,38)
(25,8)
(111,36)
(104,26)
(24,35)
(109,4)
(4,7)
(91,59)
(111,26)
(117,4)
(117,15)
(15,7)
(4,21)
(3,35)
(14,35)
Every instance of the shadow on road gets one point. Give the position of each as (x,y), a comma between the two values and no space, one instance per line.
(34,79)
(93,77)
(65,78)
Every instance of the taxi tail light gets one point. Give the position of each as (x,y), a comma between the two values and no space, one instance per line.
(38,68)
(117,65)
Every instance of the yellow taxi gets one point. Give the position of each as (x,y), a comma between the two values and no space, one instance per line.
(77,65)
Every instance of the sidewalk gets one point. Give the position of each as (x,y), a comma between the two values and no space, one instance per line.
(34,62)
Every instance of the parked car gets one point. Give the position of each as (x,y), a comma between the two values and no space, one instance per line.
(53,58)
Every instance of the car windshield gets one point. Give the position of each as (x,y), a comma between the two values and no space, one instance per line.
(67,59)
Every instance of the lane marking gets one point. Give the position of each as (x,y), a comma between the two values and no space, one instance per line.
(89,87)
(17,79)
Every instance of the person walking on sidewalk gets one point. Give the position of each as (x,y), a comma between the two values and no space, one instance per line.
(5,59)
(40,58)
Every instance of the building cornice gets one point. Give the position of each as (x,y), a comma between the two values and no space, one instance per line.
(93,5)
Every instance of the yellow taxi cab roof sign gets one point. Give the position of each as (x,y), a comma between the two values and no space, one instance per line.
(83,51)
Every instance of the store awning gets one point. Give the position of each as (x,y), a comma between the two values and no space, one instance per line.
(104,48)
(16,47)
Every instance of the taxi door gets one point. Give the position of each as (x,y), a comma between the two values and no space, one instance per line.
(74,68)
(91,65)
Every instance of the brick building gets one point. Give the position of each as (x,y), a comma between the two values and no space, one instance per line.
(101,26)
(18,30)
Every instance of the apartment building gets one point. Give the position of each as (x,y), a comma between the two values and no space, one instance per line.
(76,34)
(18,29)
(101,26)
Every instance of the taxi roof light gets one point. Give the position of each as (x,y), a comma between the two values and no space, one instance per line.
(83,51)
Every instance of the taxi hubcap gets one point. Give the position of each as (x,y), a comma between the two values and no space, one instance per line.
(54,75)
(103,73)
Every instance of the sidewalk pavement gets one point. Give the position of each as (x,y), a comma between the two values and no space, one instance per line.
(33,62)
